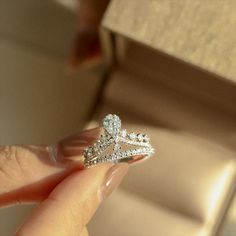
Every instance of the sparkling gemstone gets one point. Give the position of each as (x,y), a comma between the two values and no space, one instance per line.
(140,137)
(123,133)
(132,136)
(112,124)
(117,147)
(85,151)
(129,153)
(90,151)
(95,148)
(145,138)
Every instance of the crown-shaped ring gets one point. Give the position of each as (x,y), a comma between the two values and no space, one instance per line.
(114,145)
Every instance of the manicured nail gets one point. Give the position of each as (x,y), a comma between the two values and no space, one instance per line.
(74,145)
(113,178)
(90,133)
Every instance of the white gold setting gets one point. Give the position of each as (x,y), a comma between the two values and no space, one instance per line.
(117,138)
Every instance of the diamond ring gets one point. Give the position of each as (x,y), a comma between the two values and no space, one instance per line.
(114,145)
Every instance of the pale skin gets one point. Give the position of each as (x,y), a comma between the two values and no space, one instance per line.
(68,194)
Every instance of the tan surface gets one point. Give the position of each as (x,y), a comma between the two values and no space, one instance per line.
(182,191)
(159,68)
(126,214)
(46,26)
(157,104)
(201,34)
(39,103)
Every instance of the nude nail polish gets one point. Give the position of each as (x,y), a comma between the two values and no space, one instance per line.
(113,178)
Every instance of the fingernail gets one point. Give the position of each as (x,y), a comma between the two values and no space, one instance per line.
(113,178)
(74,145)
(81,138)
(93,133)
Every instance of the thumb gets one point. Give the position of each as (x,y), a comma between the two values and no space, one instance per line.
(73,202)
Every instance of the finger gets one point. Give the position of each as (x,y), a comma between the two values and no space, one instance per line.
(86,49)
(72,203)
(29,173)
(84,232)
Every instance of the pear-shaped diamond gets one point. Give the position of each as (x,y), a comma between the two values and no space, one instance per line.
(112,124)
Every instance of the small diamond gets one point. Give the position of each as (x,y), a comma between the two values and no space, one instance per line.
(129,153)
(145,138)
(132,136)
(117,147)
(95,148)
(85,152)
(123,133)
(140,137)
(89,152)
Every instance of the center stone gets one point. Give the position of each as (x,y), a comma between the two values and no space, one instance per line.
(112,124)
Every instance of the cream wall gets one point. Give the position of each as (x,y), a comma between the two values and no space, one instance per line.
(38,102)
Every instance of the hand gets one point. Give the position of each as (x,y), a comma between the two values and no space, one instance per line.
(69,195)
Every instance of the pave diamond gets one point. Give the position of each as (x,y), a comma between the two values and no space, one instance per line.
(132,136)
(145,138)
(140,137)
(116,147)
(112,124)
(123,133)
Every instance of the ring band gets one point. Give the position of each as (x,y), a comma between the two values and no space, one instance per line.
(114,145)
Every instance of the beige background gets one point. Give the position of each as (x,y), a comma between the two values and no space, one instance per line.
(197,33)
(39,103)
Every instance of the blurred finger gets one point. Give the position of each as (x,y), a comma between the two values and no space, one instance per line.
(70,206)
(74,145)
(86,49)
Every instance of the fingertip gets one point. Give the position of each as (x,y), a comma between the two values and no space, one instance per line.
(72,147)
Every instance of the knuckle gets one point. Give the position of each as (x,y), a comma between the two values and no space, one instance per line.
(10,160)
